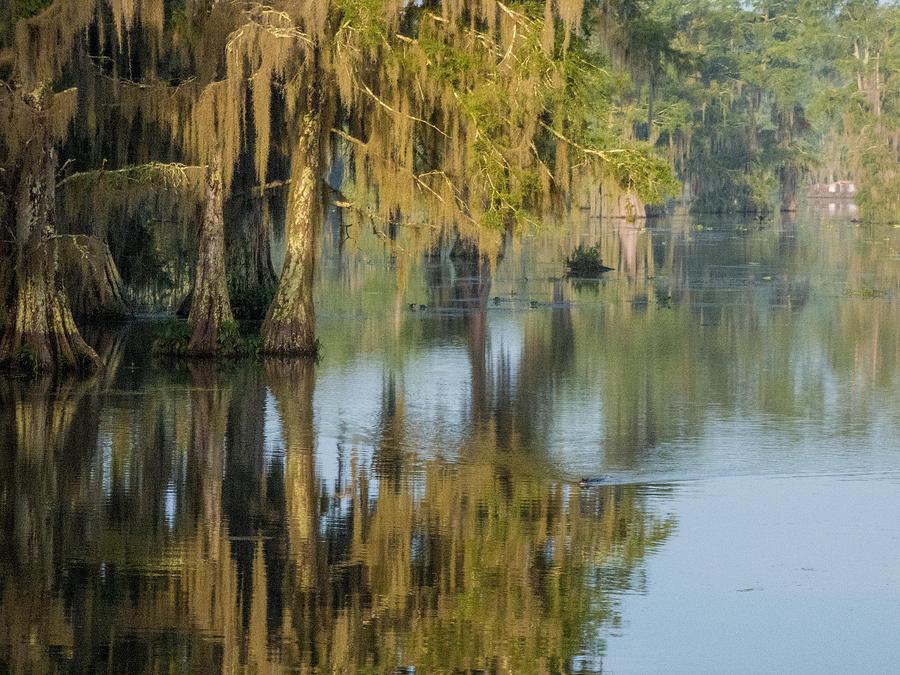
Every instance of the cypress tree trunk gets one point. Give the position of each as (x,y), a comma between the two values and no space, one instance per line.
(789,190)
(7,265)
(210,307)
(289,328)
(95,288)
(40,328)
(614,202)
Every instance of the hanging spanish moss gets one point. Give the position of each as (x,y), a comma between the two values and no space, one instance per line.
(39,331)
(196,135)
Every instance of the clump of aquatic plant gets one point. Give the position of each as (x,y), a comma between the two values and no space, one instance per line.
(586,262)
(174,336)
(231,343)
(866,292)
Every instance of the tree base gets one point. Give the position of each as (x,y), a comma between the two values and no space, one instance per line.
(42,335)
(289,340)
(173,339)
(95,288)
(44,352)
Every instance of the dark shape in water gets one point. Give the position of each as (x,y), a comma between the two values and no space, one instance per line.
(594,481)
(586,263)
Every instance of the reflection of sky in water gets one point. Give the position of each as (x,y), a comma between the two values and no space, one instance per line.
(171,503)
(797,575)
(105,468)
(758,318)
(273,443)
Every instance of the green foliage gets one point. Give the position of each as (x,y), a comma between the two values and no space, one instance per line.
(727,90)
(173,336)
(534,113)
(865,292)
(24,361)
(231,344)
(367,18)
(250,302)
(24,9)
(879,179)
(586,262)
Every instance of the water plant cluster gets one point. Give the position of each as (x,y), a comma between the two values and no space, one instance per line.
(585,262)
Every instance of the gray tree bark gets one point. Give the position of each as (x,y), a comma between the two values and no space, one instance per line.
(210,306)
(289,328)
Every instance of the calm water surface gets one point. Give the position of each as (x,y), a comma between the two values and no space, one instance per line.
(411,503)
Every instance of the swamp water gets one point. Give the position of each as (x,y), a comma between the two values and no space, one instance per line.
(412,502)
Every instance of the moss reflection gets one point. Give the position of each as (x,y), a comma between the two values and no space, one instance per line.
(210,541)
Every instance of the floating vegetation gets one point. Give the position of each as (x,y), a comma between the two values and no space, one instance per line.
(866,292)
(586,263)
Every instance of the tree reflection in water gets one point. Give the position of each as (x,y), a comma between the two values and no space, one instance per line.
(270,516)
(171,527)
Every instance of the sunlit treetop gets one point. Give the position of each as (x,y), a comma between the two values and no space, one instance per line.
(479,114)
